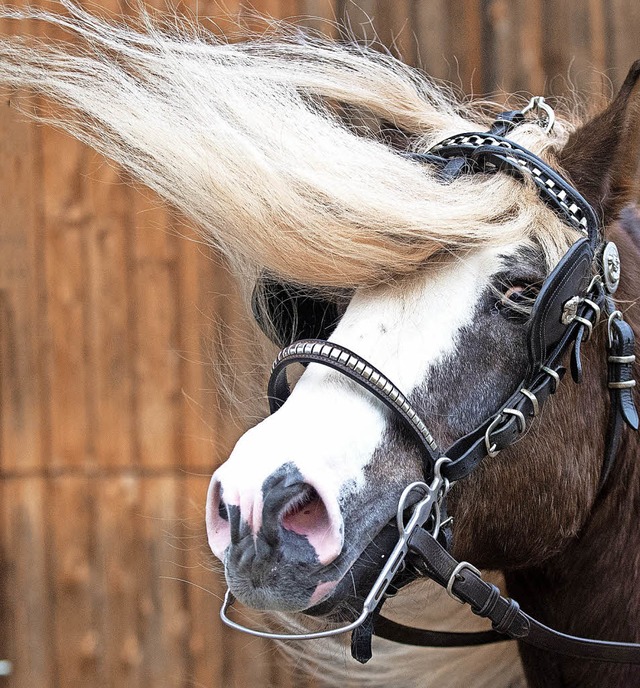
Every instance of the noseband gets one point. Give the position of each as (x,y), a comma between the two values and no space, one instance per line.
(570,303)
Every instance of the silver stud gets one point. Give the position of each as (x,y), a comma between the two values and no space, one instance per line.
(611,267)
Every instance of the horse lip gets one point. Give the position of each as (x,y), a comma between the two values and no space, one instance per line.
(353,589)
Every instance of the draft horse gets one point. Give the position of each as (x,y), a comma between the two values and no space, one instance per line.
(443,264)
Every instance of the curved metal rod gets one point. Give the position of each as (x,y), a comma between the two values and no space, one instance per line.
(421,513)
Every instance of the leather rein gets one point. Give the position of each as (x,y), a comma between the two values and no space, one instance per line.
(573,298)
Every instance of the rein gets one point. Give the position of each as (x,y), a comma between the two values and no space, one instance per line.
(573,298)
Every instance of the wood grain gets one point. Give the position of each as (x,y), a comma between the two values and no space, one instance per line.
(111,421)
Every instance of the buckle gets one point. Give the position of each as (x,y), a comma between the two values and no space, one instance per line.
(522,425)
(455,575)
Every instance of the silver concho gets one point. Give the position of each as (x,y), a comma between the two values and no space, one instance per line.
(570,310)
(611,267)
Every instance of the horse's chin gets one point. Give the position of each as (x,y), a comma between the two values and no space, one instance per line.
(344,602)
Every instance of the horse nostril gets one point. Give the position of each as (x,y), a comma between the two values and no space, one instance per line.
(306,514)
(217,519)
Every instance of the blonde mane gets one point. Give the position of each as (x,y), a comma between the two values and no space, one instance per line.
(274,148)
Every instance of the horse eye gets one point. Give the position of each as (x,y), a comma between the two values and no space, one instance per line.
(516,300)
(514,293)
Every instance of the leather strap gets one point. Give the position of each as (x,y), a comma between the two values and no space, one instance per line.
(468,451)
(422,637)
(621,356)
(505,614)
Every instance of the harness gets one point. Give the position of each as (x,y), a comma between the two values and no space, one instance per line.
(572,300)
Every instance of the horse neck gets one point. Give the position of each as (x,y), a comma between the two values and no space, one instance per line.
(592,588)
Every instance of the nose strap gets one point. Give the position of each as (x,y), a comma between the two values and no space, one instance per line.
(364,374)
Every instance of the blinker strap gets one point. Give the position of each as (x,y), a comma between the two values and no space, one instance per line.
(551,315)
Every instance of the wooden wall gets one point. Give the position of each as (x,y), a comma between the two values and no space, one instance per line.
(109,418)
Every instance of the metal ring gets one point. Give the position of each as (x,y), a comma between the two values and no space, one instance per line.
(616,315)
(596,279)
(538,103)
(491,448)
(588,324)
(455,574)
(553,374)
(522,423)
(533,399)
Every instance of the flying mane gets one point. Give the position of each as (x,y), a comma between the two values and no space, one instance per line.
(276,147)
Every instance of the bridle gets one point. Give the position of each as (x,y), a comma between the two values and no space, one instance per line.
(573,298)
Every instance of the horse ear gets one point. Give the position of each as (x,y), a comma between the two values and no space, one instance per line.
(603,156)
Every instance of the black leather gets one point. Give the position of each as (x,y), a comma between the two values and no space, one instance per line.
(622,405)
(623,344)
(505,614)
(569,278)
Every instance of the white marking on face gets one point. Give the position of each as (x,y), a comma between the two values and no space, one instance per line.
(329,428)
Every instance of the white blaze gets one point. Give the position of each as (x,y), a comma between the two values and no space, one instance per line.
(329,428)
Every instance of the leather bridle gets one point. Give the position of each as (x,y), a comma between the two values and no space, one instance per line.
(573,298)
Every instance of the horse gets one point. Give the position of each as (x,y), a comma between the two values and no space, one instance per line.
(314,168)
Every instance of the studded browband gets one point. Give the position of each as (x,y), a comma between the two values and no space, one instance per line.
(570,303)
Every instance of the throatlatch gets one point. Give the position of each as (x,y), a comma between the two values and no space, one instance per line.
(570,303)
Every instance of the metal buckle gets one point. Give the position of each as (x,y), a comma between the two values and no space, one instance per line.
(534,400)
(588,324)
(522,423)
(491,448)
(455,575)
(595,307)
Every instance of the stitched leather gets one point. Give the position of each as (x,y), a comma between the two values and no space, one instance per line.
(569,278)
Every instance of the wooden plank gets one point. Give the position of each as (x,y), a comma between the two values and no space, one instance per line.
(320,15)
(163,624)
(20,256)
(622,21)
(110,338)
(513,46)
(431,27)
(26,635)
(199,292)
(77,636)
(156,360)
(206,642)
(568,49)
(357,21)
(118,582)
(65,218)
(465,41)
(393,27)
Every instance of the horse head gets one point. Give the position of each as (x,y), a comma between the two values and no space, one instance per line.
(382,218)
(308,492)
